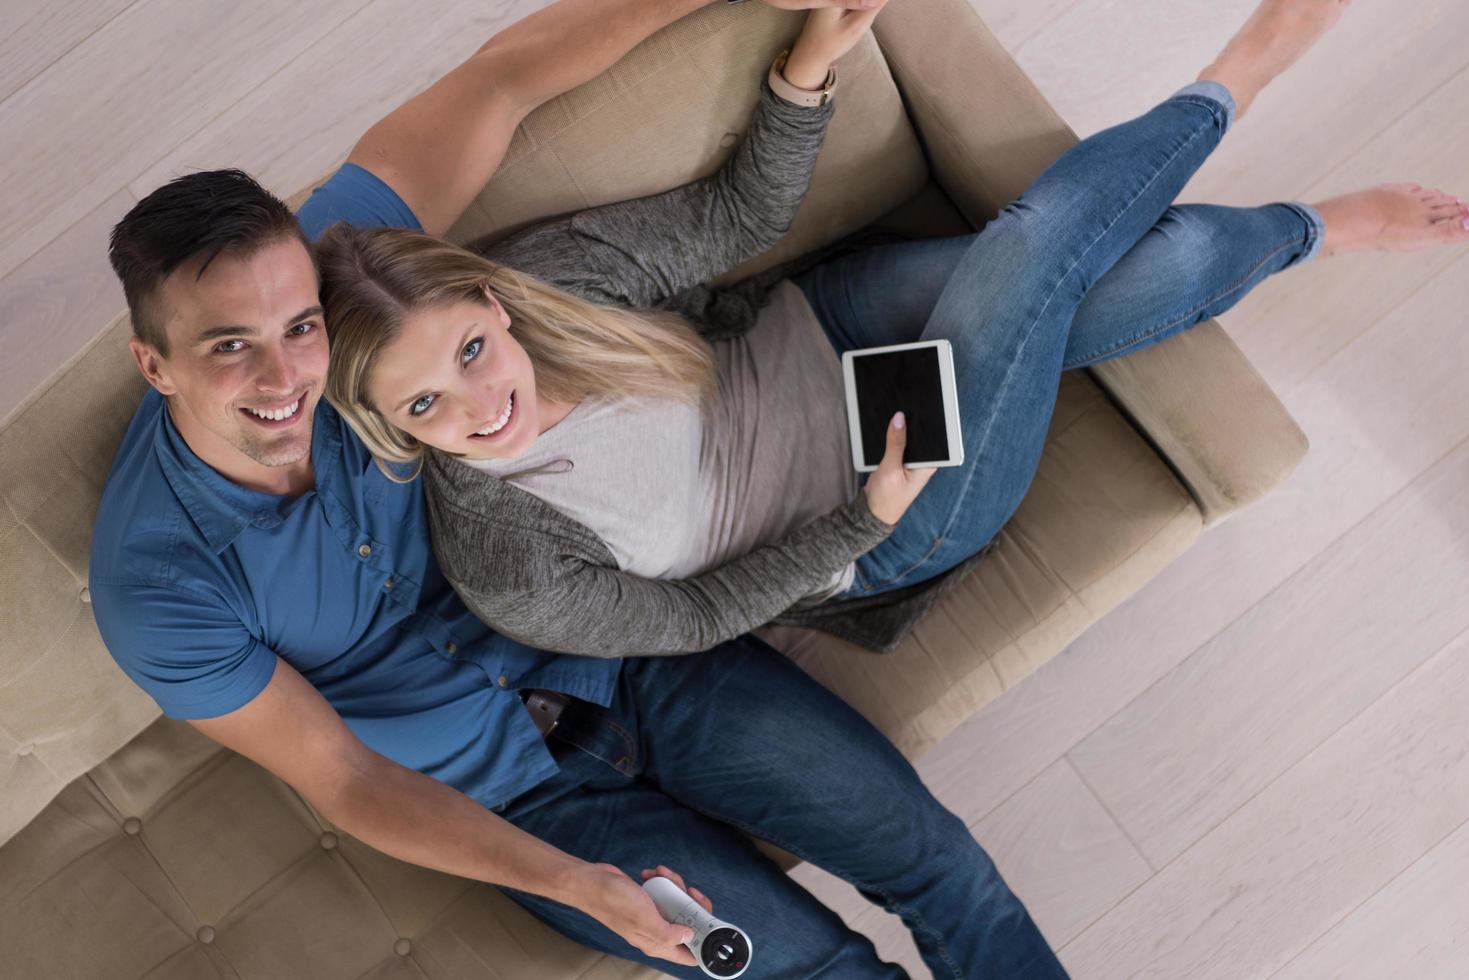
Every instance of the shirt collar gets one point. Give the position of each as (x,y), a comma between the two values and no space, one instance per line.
(221,508)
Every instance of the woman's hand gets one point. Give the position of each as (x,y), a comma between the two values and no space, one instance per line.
(891,488)
(830,32)
(620,904)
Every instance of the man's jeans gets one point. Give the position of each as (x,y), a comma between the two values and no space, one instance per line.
(696,749)
(1093,261)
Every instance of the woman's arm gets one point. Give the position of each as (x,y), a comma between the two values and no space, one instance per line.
(646,250)
(542,597)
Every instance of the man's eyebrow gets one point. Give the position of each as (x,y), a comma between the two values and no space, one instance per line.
(305,314)
(240,330)
(226,330)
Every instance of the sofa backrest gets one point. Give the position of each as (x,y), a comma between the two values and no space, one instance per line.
(667,113)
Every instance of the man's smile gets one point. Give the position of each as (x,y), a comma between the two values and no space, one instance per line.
(276,415)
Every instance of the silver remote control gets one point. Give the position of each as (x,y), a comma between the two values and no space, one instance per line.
(722,949)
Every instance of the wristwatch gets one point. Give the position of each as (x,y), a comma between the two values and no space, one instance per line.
(801,96)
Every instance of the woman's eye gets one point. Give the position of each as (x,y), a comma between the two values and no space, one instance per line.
(421,406)
(225,346)
(471,350)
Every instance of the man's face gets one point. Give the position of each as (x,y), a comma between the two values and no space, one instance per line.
(246,364)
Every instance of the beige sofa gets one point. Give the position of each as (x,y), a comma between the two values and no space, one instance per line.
(136,848)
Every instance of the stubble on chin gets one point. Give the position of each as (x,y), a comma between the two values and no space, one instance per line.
(277,452)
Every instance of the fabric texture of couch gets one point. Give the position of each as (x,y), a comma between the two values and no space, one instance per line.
(136,848)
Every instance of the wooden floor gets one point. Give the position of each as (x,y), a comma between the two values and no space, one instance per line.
(1257,767)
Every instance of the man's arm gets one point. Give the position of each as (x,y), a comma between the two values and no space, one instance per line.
(291,730)
(439,149)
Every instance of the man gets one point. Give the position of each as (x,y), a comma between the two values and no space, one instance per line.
(260,577)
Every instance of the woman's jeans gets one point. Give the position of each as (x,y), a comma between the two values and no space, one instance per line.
(1093,261)
(696,749)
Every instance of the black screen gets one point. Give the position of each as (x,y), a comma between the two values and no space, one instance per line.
(901,381)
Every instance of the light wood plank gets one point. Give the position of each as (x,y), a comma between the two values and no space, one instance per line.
(144,82)
(1415,928)
(1316,843)
(56,302)
(37,32)
(1310,314)
(1014,22)
(1061,852)
(353,79)
(1233,715)
(1377,415)
(1106,60)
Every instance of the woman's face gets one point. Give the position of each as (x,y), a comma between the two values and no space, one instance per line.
(456,380)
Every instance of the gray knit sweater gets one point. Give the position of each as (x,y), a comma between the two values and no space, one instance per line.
(543,578)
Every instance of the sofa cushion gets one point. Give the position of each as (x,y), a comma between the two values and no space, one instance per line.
(177,859)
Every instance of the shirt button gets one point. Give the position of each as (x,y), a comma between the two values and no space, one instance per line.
(365,550)
(451,647)
(388,584)
(503,681)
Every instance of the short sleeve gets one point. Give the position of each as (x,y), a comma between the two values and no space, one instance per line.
(358,197)
(189,654)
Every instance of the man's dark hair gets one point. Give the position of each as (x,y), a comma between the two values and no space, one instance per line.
(204,213)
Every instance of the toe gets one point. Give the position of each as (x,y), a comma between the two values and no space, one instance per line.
(1454,230)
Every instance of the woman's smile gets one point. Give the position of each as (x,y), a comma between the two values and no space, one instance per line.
(501,425)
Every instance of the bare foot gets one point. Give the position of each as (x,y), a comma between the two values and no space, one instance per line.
(1393,218)
(1277,33)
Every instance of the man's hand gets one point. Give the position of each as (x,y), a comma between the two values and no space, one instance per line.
(619,903)
(828,34)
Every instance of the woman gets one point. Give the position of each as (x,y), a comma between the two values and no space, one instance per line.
(602,479)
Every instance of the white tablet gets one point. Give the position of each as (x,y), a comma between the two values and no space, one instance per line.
(916,379)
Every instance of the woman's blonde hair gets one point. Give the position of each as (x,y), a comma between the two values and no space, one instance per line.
(372,278)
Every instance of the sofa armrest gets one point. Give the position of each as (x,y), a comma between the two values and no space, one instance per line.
(1210,415)
(988,132)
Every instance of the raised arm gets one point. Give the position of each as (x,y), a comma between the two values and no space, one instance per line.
(438,150)
(638,253)
(624,252)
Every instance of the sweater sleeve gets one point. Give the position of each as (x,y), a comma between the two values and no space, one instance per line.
(559,601)
(641,252)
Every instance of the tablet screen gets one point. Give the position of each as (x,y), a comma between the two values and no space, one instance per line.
(906,381)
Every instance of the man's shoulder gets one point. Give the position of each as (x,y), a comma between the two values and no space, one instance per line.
(357,196)
(142,527)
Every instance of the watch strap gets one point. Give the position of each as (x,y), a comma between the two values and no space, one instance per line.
(801,96)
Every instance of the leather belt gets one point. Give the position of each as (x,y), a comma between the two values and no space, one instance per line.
(545,708)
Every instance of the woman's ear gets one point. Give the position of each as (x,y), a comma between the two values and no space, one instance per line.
(496,305)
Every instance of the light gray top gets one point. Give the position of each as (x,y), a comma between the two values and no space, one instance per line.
(541,575)
(673,494)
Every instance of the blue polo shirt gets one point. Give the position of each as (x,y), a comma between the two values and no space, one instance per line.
(199,584)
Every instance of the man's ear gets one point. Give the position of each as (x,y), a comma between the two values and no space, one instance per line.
(153,365)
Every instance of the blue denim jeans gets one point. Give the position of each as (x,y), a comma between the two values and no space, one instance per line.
(1093,261)
(696,749)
